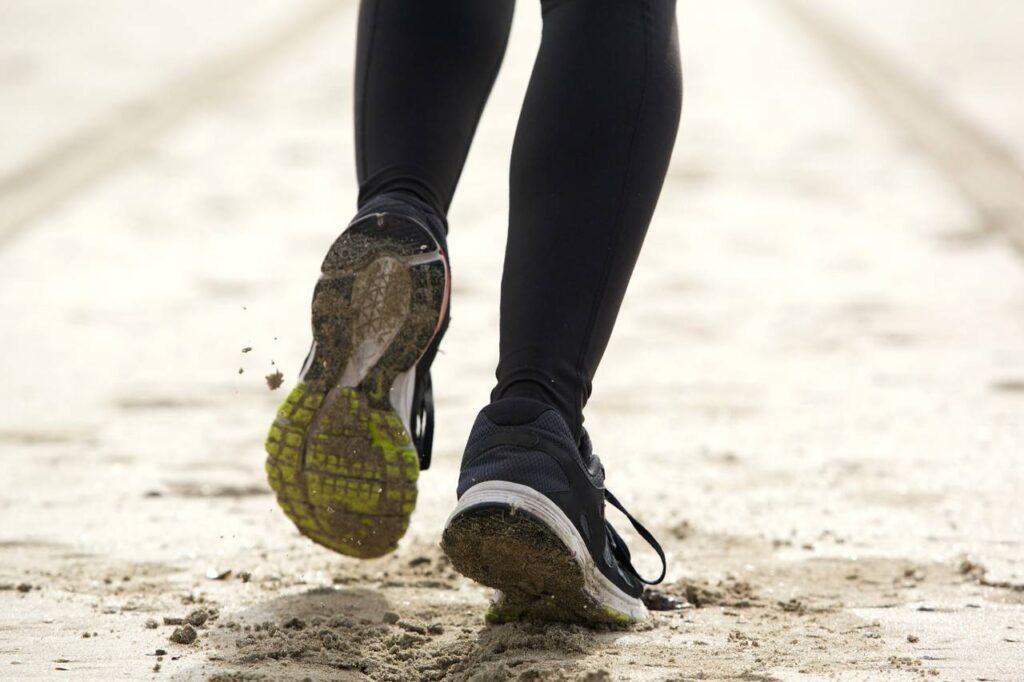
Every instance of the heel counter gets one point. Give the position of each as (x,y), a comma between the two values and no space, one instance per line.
(514,457)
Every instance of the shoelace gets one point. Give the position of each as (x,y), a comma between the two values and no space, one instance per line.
(618,546)
(423,418)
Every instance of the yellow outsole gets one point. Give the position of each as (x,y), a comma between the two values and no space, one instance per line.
(344,472)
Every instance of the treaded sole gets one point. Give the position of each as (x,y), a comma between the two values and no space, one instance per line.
(339,457)
(515,552)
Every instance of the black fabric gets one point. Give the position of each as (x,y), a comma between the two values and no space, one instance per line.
(411,206)
(529,465)
(514,412)
(423,73)
(590,155)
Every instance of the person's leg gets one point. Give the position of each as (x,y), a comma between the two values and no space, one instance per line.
(424,70)
(590,155)
(346,448)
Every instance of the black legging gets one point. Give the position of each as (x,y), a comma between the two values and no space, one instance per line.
(591,150)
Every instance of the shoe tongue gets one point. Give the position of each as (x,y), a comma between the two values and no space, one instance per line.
(590,460)
(586,447)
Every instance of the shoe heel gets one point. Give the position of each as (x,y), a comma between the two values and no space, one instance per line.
(509,537)
(339,454)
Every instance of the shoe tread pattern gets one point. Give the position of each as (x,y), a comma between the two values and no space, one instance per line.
(339,458)
(515,552)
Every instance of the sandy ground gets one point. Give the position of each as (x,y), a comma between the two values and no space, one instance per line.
(814,397)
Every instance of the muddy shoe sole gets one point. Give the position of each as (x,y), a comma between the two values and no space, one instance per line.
(340,456)
(511,538)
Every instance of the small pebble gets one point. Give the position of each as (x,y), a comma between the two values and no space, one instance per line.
(197,617)
(412,627)
(186,634)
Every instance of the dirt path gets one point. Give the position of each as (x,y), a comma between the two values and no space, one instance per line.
(814,399)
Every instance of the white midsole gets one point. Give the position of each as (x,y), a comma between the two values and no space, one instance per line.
(401,396)
(519,496)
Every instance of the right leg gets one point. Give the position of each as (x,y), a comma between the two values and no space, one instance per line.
(591,151)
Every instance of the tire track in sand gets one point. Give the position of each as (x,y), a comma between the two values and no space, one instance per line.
(72,164)
(976,163)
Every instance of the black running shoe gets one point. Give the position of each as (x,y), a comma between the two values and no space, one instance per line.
(347,446)
(530,522)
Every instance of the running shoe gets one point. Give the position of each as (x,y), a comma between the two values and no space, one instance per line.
(530,522)
(348,443)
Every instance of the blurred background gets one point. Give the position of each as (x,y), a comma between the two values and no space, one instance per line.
(821,354)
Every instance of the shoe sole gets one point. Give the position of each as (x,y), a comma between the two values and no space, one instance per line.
(340,457)
(512,538)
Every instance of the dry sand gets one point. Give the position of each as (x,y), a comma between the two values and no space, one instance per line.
(814,398)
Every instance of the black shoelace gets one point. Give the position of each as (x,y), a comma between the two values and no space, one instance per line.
(618,546)
(423,417)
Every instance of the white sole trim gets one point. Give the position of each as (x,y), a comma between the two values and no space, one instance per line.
(518,496)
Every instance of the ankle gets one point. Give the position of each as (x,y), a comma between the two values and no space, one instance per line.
(409,204)
(543,398)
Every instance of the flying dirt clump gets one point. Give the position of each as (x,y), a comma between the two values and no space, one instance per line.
(274,380)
